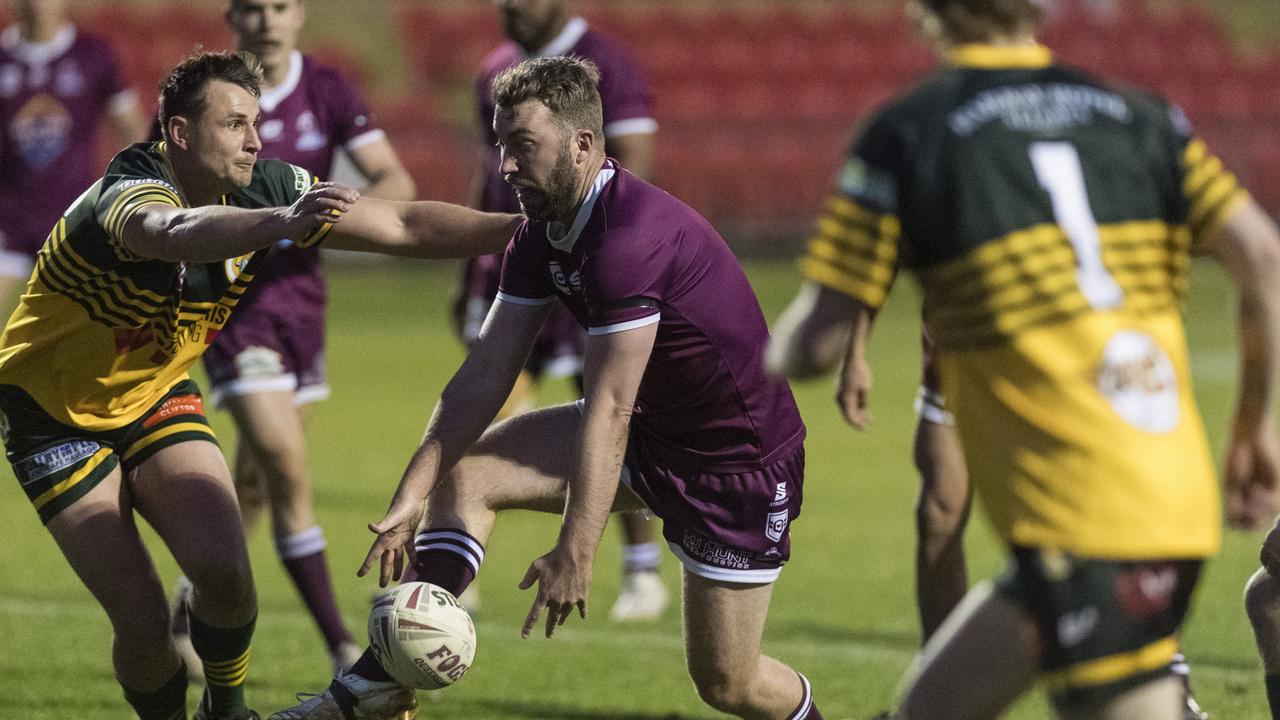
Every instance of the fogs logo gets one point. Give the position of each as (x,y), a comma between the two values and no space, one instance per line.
(567,283)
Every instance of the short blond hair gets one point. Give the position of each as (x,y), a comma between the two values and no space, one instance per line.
(568,86)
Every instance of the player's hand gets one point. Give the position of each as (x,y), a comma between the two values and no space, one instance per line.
(1251,481)
(394,545)
(324,202)
(853,390)
(563,584)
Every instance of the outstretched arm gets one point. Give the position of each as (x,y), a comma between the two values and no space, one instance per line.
(216,232)
(466,407)
(614,366)
(1248,246)
(424,229)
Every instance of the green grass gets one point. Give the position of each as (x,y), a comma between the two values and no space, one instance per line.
(843,610)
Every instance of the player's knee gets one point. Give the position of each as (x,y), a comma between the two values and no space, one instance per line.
(722,691)
(939,517)
(223,582)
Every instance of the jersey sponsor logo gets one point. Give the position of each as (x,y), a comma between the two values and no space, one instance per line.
(1147,591)
(1038,108)
(1137,378)
(567,283)
(713,553)
(40,130)
(271,130)
(779,495)
(1076,626)
(54,459)
(175,406)
(873,187)
(235,266)
(309,135)
(126,184)
(775,525)
(68,81)
(301,179)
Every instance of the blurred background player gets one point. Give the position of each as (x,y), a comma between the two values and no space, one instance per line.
(57,83)
(540,28)
(1011,184)
(268,363)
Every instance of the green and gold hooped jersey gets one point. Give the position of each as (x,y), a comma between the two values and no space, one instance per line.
(1050,219)
(101,334)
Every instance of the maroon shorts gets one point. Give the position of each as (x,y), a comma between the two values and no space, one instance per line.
(730,527)
(273,342)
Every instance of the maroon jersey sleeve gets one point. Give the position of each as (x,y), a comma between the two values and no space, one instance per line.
(625,93)
(525,275)
(349,118)
(625,281)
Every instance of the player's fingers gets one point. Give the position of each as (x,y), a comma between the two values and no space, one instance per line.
(384,572)
(532,618)
(554,617)
(374,552)
(582,609)
(530,576)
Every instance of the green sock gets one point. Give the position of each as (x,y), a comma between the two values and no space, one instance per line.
(1273,695)
(225,652)
(169,702)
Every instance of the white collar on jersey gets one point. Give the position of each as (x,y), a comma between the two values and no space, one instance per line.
(272,97)
(566,243)
(33,53)
(564,42)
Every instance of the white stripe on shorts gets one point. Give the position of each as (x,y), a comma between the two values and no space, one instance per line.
(711,572)
(932,406)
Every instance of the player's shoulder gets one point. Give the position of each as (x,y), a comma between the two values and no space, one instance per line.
(321,74)
(137,162)
(274,183)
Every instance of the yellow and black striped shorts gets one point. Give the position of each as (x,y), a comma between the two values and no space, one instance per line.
(58,464)
(1106,625)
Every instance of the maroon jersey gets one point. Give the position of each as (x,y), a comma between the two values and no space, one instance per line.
(627,100)
(304,119)
(636,256)
(52,97)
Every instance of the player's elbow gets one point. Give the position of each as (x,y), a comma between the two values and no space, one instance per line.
(786,357)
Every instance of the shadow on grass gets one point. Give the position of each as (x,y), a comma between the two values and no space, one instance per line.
(823,632)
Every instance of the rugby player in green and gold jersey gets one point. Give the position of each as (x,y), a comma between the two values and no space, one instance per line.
(1050,219)
(100,417)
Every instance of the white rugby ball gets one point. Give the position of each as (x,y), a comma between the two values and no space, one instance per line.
(422,636)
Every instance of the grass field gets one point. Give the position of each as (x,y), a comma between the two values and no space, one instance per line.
(842,611)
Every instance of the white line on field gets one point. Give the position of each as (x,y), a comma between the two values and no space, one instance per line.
(586,636)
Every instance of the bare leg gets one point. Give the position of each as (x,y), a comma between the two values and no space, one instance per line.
(723,624)
(185,492)
(1157,700)
(519,463)
(273,454)
(982,658)
(942,512)
(100,540)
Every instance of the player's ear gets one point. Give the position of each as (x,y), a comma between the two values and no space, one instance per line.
(179,132)
(584,143)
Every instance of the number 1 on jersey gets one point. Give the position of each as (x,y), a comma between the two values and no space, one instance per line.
(1057,166)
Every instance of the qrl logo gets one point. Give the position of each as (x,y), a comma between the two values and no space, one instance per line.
(775,525)
(451,665)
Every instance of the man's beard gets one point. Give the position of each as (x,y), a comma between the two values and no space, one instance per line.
(555,200)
